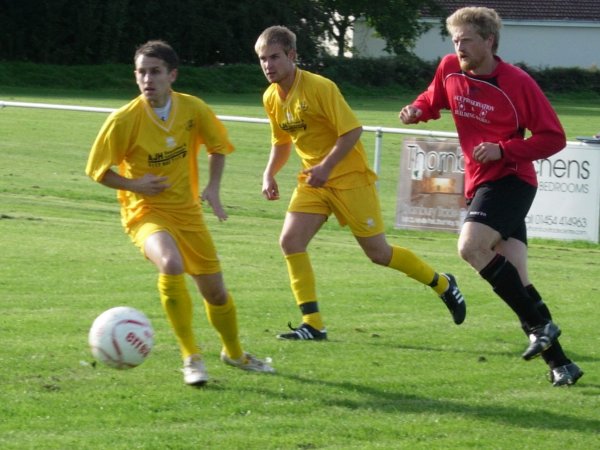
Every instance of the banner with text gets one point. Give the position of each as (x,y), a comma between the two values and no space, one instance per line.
(567,205)
(430,186)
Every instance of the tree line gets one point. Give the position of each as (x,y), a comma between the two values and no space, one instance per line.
(203,32)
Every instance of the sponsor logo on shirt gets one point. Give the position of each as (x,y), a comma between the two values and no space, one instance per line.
(165,158)
(293,126)
(473,109)
(293,122)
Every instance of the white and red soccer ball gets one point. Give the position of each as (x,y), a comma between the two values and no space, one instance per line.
(121,337)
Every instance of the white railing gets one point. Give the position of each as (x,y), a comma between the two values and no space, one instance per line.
(379,131)
(578,209)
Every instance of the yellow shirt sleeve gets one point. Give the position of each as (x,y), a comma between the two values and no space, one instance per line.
(313,116)
(108,149)
(138,142)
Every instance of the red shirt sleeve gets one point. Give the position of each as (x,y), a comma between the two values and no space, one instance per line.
(546,134)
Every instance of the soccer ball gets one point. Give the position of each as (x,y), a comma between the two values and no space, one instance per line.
(121,337)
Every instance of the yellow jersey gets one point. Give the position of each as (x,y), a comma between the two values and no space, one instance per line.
(312,117)
(136,140)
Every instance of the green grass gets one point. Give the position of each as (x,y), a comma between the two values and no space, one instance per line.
(396,372)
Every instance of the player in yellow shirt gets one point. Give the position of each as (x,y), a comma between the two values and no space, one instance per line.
(154,141)
(309,111)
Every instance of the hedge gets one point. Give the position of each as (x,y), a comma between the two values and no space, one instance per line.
(355,75)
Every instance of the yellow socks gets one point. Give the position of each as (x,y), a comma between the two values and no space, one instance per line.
(406,261)
(224,319)
(302,282)
(177,304)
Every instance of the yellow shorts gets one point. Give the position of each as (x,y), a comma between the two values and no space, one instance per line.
(358,208)
(196,246)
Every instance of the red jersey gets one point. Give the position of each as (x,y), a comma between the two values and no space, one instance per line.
(496,108)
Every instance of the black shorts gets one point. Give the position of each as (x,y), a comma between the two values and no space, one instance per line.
(503,205)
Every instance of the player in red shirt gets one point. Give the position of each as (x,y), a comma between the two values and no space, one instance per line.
(493,103)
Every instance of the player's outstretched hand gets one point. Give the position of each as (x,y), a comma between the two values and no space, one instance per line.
(213,199)
(410,114)
(317,175)
(487,152)
(270,190)
(151,184)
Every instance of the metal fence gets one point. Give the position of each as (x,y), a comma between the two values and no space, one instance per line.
(379,131)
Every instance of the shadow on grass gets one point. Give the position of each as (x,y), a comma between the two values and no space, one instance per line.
(578,358)
(388,401)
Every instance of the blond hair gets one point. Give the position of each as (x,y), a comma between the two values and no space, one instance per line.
(276,34)
(485,21)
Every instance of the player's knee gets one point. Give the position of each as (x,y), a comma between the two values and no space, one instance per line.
(467,250)
(216,297)
(466,253)
(378,256)
(212,289)
(283,242)
(290,245)
(170,265)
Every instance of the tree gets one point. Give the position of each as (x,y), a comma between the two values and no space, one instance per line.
(204,32)
(401,30)
(396,21)
(337,18)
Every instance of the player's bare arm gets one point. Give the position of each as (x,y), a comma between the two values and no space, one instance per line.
(216,166)
(319,174)
(410,114)
(277,159)
(149,184)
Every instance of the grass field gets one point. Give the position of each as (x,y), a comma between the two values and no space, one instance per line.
(396,373)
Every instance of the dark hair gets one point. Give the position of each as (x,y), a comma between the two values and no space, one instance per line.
(161,50)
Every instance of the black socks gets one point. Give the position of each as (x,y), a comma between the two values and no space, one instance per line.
(506,282)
